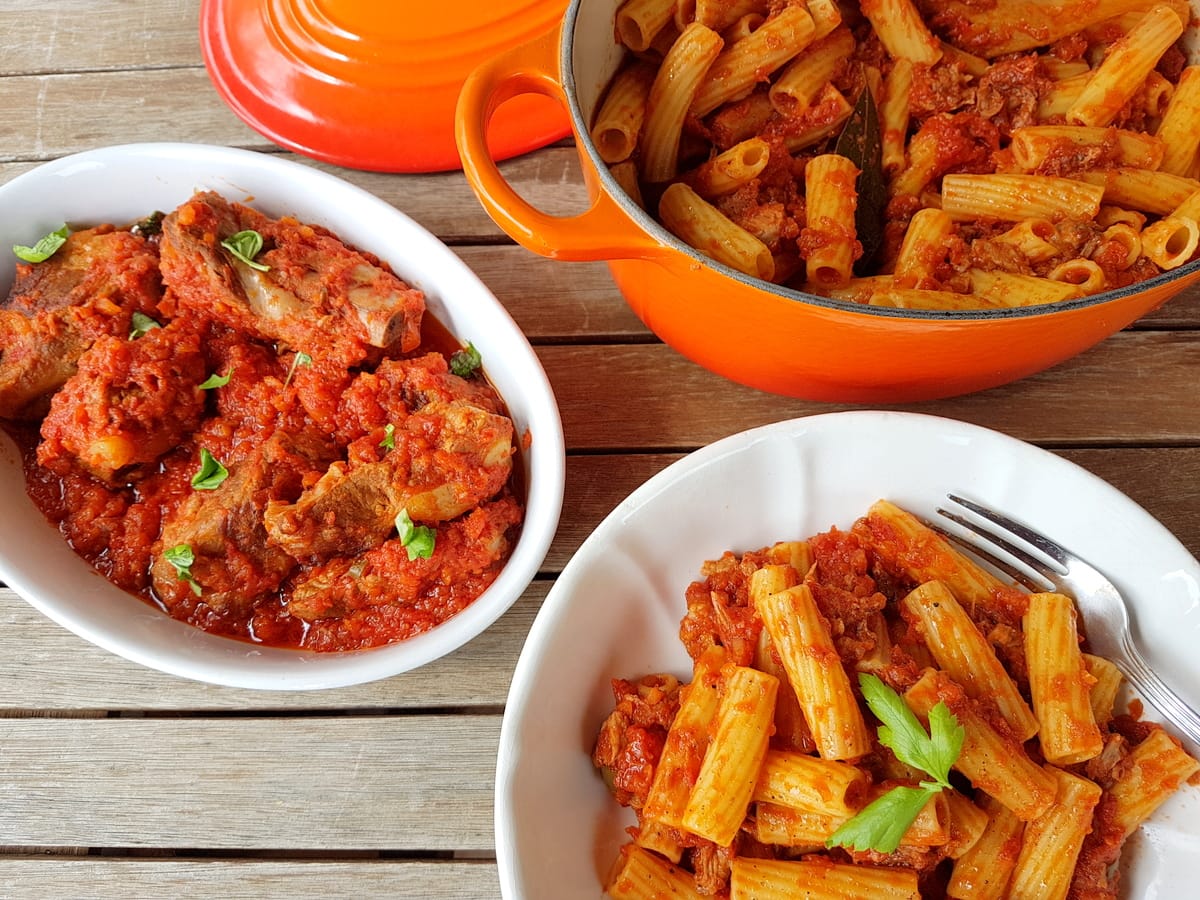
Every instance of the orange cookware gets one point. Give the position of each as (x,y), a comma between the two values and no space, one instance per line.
(751,331)
(371,85)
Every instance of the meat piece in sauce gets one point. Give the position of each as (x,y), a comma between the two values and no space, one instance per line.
(466,556)
(129,403)
(316,292)
(401,386)
(234,563)
(57,309)
(446,459)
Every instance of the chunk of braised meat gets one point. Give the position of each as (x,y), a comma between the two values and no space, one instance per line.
(1010,89)
(129,403)
(940,88)
(467,555)
(845,591)
(399,387)
(316,295)
(630,742)
(57,309)
(235,563)
(445,459)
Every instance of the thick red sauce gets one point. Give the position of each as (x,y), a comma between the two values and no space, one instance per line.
(310,406)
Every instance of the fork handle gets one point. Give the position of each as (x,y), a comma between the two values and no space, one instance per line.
(1151,686)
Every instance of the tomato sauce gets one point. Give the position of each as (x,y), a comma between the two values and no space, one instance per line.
(320,422)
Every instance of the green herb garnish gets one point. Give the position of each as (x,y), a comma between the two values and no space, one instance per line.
(44,248)
(882,823)
(418,540)
(181,559)
(300,359)
(245,245)
(211,473)
(466,362)
(140,323)
(389,437)
(215,381)
(150,225)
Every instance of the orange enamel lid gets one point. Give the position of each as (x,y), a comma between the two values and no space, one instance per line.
(373,85)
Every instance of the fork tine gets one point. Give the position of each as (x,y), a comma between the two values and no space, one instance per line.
(999,541)
(1041,542)
(1020,576)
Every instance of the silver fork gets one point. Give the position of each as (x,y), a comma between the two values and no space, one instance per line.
(1105,616)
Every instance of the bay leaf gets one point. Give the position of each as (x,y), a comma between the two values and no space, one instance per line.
(862,143)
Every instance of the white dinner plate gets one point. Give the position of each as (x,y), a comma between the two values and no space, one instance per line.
(615,610)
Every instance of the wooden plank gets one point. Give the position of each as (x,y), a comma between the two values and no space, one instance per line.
(46,670)
(443,203)
(419,783)
(44,667)
(113,34)
(553,301)
(222,879)
(63,114)
(670,403)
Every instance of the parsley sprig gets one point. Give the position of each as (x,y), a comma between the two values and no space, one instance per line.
(882,823)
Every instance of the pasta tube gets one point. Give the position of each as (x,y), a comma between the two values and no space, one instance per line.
(1125,67)
(902,31)
(966,656)
(619,121)
(983,872)
(815,672)
(674,86)
(744,63)
(1052,841)
(1015,197)
(1059,683)
(819,879)
(687,215)
(829,235)
(642,875)
(993,763)
(729,771)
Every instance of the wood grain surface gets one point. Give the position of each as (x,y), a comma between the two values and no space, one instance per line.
(117,781)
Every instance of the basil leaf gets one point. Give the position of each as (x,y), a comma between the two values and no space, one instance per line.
(418,540)
(215,381)
(211,473)
(862,143)
(181,559)
(245,245)
(389,437)
(45,248)
(149,226)
(881,824)
(466,362)
(140,323)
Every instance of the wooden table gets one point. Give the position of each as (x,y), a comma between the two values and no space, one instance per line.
(117,781)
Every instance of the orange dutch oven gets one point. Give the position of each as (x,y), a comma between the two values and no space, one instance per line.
(760,334)
(371,85)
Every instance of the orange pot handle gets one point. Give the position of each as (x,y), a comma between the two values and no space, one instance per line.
(603,231)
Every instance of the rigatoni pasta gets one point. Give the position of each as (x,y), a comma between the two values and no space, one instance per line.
(1048,782)
(1082,113)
